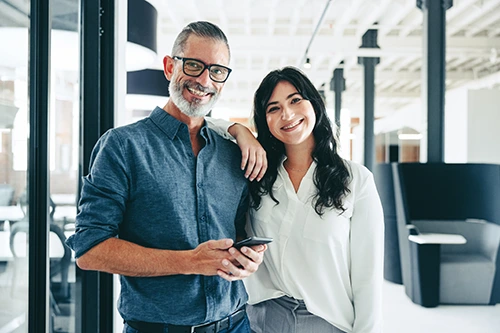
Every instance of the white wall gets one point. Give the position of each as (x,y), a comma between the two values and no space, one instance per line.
(472,125)
(483,133)
(455,126)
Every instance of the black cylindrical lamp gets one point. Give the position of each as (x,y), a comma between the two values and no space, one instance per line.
(142,20)
(147,82)
(141,33)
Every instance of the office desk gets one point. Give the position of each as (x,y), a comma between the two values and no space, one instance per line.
(15,213)
(64,199)
(65,213)
(56,249)
(11,213)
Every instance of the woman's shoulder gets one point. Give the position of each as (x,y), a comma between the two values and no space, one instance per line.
(360,176)
(357,170)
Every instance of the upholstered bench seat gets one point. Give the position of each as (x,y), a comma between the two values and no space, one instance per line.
(467,271)
(466,279)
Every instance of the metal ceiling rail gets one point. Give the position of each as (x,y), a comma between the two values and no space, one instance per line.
(318,25)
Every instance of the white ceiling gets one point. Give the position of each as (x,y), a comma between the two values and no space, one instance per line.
(268,34)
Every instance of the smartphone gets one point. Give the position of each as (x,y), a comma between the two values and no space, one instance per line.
(251,241)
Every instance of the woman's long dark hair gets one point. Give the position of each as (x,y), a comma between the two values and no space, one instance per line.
(331,177)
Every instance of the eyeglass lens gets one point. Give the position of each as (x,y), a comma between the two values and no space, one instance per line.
(195,68)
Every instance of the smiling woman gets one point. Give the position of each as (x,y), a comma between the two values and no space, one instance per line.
(291,119)
(323,272)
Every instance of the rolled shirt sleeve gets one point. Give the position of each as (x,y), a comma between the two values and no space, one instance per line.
(103,196)
(146,187)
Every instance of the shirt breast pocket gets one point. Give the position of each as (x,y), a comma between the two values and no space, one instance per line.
(332,228)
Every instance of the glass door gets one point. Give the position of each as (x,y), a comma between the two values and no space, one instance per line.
(63,155)
(14,132)
(62,158)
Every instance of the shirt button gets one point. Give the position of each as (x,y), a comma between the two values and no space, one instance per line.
(202,218)
(200,185)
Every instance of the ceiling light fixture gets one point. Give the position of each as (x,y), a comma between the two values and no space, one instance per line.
(493,55)
(305,59)
(407,136)
(147,82)
(307,64)
(145,90)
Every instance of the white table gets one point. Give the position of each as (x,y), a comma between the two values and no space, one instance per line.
(428,238)
(56,249)
(65,212)
(64,199)
(11,213)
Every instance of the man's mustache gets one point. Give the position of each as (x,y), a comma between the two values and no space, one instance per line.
(199,87)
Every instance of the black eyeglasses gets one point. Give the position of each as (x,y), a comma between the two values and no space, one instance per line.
(194,67)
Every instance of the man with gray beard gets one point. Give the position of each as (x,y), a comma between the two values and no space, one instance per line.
(164,200)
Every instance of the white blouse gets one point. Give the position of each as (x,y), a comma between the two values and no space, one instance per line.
(334,263)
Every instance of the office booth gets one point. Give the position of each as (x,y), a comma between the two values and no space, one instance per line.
(442,231)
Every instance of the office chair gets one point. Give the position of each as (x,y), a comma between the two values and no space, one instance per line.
(447,257)
(6,194)
(59,253)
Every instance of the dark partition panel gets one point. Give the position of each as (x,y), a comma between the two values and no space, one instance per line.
(385,187)
(439,191)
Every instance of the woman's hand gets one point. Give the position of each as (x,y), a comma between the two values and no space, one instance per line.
(253,156)
(247,262)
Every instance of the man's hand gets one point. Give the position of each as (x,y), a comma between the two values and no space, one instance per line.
(253,156)
(207,257)
(247,262)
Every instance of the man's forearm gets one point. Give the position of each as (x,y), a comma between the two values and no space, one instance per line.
(118,256)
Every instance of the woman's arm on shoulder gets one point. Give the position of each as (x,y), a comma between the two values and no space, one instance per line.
(253,156)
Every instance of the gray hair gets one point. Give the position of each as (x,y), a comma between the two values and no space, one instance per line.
(201,29)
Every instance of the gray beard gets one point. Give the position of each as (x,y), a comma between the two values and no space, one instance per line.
(192,109)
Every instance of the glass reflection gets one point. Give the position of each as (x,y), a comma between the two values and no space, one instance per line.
(14,110)
(64,122)
(63,159)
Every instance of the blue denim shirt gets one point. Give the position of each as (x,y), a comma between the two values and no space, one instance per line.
(146,186)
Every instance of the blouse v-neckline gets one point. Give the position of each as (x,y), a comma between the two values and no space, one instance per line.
(303,191)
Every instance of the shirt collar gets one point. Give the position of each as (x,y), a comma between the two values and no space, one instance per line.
(283,173)
(170,125)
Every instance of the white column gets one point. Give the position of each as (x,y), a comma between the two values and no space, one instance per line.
(483,121)
(121,116)
(120,113)
(472,131)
